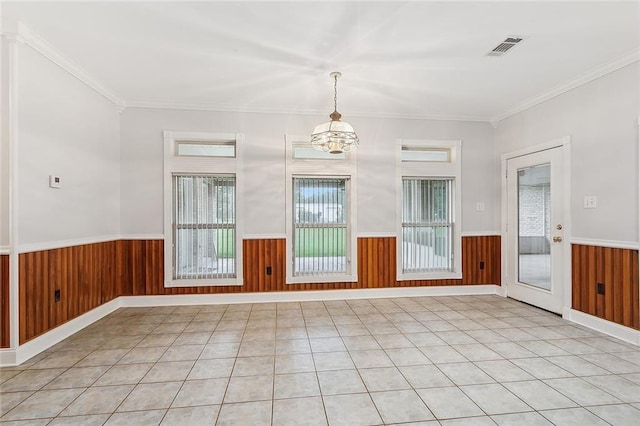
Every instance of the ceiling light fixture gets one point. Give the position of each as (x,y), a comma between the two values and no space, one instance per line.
(335,136)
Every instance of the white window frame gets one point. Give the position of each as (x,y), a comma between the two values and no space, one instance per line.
(175,164)
(321,168)
(425,170)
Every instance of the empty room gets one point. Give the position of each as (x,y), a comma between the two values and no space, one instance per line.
(319,213)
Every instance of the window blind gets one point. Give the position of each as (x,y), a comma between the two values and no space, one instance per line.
(204,226)
(320,226)
(427,224)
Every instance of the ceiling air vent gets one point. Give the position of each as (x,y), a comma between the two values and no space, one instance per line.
(504,46)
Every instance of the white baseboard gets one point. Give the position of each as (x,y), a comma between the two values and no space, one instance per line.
(11,357)
(8,357)
(618,331)
(306,296)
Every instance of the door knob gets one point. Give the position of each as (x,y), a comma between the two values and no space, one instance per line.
(557,239)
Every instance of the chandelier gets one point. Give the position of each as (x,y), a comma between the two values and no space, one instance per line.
(335,136)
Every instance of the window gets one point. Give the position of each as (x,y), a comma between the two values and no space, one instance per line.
(308,152)
(429,237)
(413,153)
(202,205)
(218,148)
(427,224)
(320,214)
(204,226)
(320,226)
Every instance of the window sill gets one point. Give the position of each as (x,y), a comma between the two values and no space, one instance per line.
(225,282)
(430,276)
(320,279)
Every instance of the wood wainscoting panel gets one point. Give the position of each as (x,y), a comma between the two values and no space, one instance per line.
(616,269)
(34,295)
(85,276)
(376,267)
(92,274)
(377,262)
(259,255)
(481,260)
(123,280)
(5,318)
(146,266)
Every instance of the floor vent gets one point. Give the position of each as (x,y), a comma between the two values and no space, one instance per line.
(504,46)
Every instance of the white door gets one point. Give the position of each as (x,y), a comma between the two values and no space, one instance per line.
(535,229)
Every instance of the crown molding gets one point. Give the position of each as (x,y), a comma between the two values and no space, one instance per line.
(18,32)
(578,81)
(204,106)
(15,30)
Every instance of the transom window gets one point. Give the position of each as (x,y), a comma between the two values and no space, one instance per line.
(225,149)
(435,155)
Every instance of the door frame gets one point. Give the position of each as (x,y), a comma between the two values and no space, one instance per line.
(563,143)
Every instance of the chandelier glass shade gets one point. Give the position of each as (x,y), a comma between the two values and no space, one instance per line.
(335,136)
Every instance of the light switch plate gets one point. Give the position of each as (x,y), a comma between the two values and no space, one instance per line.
(480,206)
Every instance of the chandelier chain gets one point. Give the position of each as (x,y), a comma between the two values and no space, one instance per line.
(335,93)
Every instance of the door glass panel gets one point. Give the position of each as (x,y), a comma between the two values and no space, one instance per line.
(534,217)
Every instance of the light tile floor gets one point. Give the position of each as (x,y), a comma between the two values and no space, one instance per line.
(469,360)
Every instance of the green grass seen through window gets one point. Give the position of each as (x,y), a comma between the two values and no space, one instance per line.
(320,242)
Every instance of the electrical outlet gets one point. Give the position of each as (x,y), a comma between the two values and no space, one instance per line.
(269,270)
(55,181)
(56,295)
(590,202)
(480,206)
(481,265)
(600,288)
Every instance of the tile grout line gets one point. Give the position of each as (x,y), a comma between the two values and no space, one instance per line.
(189,372)
(396,322)
(115,411)
(233,367)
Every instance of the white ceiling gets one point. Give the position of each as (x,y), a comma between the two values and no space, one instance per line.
(411,59)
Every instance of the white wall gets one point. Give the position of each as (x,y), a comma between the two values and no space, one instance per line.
(64,128)
(264,166)
(4,143)
(112,188)
(602,119)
